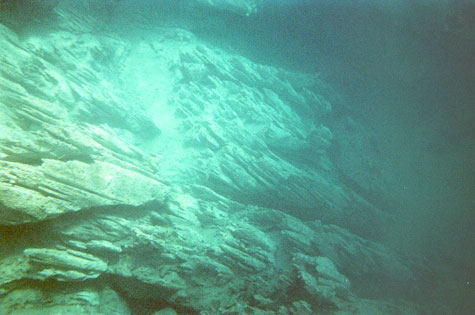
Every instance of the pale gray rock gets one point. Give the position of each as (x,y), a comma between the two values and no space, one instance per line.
(51,191)
(37,300)
(150,166)
(102,246)
(63,265)
(358,259)
(49,164)
(214,255)
(321,279)
(248,131)
(12,268)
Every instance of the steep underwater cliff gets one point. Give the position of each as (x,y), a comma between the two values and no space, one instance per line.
(144,169)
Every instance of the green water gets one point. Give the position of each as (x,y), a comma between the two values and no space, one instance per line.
(237,157)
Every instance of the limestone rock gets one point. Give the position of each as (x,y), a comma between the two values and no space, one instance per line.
(64,265)
(321,279)
(55,299)
(50,165)
(162,168)
(212,255)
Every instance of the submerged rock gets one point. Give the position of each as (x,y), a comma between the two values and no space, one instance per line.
(55,299)
(161,174)
(64,265)
(236,258)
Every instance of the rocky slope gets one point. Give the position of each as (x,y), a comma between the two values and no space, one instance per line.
(157,172)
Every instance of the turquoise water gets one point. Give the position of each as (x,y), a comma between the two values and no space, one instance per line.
(237,157)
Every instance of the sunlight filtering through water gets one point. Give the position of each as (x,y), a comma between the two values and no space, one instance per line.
(237,157)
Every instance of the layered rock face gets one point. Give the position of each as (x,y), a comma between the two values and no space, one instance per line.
(157,173)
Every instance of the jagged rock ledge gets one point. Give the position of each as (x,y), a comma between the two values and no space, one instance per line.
(115,198)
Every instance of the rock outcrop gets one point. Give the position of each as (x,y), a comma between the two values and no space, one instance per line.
(160,174)
(208,254)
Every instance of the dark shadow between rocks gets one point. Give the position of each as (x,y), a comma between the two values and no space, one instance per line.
(144,299)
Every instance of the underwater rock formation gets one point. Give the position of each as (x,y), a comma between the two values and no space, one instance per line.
(161,174)
(51,164)
(209,254)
